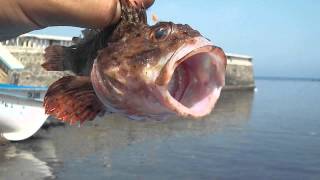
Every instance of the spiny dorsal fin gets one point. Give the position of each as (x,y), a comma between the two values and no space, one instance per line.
(79,57)
(72,99)
(58,58)
(133,11)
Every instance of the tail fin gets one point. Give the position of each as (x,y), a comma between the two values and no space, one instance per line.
(58,58)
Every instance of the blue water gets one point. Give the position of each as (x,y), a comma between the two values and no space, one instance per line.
(273,133)
(12,86)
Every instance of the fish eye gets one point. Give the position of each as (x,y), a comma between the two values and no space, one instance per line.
(161,33)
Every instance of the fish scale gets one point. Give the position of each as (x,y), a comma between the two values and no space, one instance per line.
(137,70)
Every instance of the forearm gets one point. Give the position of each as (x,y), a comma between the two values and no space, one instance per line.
(21,16)
(12,20)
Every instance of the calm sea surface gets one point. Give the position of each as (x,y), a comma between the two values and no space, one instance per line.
(273,133)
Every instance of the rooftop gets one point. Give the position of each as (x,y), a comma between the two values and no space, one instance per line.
(48,37)
(238,56)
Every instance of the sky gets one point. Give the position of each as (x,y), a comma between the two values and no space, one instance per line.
(283,37)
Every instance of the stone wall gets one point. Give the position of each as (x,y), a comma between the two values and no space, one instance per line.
(33,74)
(3,76)
(239,74)
(29,49)
(239,77)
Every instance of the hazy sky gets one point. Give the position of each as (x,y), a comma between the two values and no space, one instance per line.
(283,36)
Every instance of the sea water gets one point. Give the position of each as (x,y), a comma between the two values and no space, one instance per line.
(272,133)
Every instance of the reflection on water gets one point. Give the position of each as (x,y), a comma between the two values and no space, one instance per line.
(278,138)
(69,151)
(21,161)
(114,131)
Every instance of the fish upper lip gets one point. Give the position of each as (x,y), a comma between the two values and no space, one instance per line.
(200,45)
(181,54)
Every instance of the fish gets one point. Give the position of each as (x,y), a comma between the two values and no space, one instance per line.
(135,69)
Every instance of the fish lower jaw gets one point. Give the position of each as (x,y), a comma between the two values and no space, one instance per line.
(194,82)
(196,109)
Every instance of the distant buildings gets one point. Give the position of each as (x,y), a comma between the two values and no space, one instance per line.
(20,60)
(37,41)
(8,63)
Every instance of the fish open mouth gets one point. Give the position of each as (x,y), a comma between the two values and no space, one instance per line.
(194,78)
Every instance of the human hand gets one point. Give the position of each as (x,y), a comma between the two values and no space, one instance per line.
(21,16)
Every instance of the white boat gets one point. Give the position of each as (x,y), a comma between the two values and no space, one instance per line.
(21,111)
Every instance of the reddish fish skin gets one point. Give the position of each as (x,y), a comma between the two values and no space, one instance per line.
(117,76)
(131,66)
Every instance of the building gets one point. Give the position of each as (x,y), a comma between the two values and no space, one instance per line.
(28,51)
(8,64)
(239,74)
(33,41)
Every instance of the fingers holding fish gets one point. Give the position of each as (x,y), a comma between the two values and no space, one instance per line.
(141,3)
(19,17)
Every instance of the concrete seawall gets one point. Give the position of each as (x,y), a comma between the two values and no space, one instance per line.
(239,74)
(29,50)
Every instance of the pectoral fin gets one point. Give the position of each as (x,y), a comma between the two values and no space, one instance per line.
(72,99)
